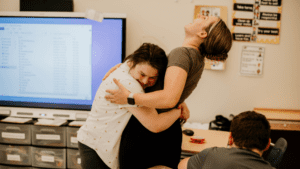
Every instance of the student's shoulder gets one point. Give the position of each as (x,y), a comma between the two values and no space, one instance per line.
(123,76)
(121,73)
(225,150)
(218,151)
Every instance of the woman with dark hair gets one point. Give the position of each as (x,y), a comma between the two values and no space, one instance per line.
(99,138)
(207,36)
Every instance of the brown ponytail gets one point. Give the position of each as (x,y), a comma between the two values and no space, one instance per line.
(218,42)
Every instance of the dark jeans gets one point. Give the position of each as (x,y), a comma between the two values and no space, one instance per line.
(89,158)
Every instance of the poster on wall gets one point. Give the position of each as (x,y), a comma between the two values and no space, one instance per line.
(218,11)
(252,60)
(256,21)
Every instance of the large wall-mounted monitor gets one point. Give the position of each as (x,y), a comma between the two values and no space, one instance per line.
(56,61)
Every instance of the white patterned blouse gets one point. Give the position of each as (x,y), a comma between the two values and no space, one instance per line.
(104,126)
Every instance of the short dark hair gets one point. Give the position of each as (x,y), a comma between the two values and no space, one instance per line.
(152,55)
(217,43)
(250,130)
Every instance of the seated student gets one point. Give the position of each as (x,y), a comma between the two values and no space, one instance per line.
(249,138)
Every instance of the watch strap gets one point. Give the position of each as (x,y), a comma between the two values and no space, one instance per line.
(130,99)
(131,95)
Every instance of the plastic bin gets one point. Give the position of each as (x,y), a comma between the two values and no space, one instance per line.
(15,133)
(15,155)
(48,157)
(49,136)
(72,141)
(14,167)
(73,158)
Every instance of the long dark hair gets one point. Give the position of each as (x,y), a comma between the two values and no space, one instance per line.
(217,43)
(152,55)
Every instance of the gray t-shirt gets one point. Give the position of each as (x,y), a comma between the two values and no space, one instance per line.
(192,62)
(227,158)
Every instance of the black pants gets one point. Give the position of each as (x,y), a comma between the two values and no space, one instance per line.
(143,149)
(89,158)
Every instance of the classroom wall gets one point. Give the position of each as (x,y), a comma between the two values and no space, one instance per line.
(218,92)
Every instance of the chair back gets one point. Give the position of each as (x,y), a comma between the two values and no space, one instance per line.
(276,153)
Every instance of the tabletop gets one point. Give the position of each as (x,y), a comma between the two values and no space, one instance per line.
(213,138)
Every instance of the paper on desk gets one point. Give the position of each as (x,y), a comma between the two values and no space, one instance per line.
(51,122)
(16,120)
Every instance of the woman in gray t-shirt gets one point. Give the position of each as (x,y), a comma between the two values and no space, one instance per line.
(207,36)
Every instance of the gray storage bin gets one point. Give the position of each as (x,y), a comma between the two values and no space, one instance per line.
(48,157)
(14,167)
(15,133)
(49,136)
(15,155)
(73,158)
(72,137)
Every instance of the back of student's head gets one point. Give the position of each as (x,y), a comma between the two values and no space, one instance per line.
(152,55)
(250,130)
(217,43)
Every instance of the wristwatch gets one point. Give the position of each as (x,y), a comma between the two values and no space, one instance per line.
(130,99)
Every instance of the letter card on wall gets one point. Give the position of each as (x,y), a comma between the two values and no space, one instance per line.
(256,21)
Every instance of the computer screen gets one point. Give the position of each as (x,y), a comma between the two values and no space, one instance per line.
(56,62)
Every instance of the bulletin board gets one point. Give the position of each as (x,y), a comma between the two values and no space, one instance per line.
(256,21)
(218,11)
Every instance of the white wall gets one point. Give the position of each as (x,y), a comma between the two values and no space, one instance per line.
(218,92)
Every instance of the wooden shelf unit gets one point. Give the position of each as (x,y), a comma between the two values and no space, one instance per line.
(282,119)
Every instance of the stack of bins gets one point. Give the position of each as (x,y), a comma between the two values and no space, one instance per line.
(73,156)
(15,145)
(49,146)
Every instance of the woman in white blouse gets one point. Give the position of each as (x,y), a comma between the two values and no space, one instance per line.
(99,138)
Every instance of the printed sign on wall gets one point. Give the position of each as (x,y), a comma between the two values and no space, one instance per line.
(256,21)
(218,11)
(252,60)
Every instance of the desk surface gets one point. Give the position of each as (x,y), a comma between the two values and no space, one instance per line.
(213,138)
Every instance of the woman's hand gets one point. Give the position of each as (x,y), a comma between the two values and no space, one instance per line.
(111,70)
(185,112)
(118,96)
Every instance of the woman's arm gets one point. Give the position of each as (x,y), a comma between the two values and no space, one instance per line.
(183,163)
(185,112)
(153,121)
(175,80)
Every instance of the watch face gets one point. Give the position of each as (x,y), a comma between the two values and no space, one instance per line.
(130,101)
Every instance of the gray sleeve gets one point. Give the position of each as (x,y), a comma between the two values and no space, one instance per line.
(197,161)
(180,57)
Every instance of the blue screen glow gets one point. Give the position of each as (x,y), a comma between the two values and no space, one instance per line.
(56,62)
